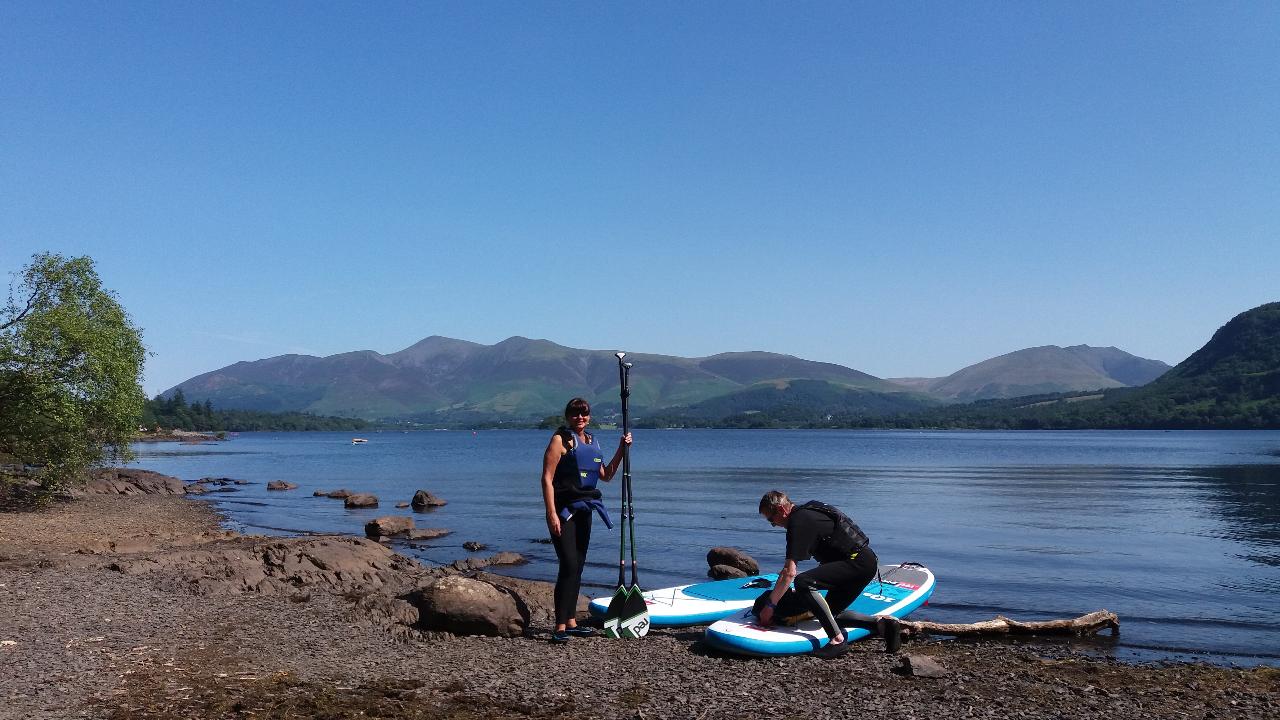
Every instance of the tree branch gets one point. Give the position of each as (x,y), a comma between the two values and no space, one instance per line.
(1089,624)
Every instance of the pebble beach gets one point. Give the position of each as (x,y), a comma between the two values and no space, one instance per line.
(83,638)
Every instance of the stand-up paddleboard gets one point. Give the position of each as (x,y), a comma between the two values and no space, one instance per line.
(699,603)
(899,590)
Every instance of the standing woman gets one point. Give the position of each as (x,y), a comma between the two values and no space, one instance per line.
(571,467)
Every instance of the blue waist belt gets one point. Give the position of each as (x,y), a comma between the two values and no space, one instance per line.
(596,505)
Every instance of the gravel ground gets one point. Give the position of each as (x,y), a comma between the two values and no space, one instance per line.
(78,639)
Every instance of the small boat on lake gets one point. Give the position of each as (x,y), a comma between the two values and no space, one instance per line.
(358,441)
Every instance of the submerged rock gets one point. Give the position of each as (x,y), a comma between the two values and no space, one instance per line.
(388,526)
(362,500)
(423,499)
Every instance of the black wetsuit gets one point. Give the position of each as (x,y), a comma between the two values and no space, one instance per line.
(575,479)
(846,562)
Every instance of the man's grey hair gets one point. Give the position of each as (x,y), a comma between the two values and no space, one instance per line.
(772,501)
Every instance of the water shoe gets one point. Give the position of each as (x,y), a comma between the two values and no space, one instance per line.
(832,650)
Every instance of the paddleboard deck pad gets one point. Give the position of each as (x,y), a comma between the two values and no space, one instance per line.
(898,591)
(699,603)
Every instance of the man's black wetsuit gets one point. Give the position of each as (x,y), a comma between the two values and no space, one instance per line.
(846,561)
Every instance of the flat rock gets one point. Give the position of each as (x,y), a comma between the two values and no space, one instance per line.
(921,666)
(428,533)
(125,481)
(281,485)
(336,564)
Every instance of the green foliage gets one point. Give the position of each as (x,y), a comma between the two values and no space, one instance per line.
(173,413)
(70,359)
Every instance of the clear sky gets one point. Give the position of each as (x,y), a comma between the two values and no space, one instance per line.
(902,188)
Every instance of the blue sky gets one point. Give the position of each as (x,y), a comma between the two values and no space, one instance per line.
(902,188)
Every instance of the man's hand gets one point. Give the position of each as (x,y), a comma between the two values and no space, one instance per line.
(766,616)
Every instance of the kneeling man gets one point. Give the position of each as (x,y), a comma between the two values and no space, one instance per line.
(846,564)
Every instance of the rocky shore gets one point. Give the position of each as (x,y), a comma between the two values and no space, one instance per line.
(140,606)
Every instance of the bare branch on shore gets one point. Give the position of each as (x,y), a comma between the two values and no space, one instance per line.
(1089,624)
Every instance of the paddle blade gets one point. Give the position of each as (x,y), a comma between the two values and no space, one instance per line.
(613,615)
(634,619)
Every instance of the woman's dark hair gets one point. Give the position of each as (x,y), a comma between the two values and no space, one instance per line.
(578,404)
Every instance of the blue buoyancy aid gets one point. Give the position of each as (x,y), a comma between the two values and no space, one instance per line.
(578,472)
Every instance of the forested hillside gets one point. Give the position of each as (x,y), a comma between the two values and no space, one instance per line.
(175,413)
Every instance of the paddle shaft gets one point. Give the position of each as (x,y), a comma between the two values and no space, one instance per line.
(622,515)
(626,472)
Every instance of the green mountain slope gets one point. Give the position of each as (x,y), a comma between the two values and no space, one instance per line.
(1231,382)
(1039,370)
(444,380)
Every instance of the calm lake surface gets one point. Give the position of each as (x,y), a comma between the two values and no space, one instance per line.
(1177,532)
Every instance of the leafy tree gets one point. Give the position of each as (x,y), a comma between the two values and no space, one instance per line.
(70,359)
(201,416)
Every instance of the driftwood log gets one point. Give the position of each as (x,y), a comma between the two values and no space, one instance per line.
(1090,624)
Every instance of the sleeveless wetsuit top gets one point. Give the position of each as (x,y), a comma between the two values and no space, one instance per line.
(578,472)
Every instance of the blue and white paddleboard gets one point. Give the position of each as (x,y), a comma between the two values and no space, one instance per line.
(899,590)
(699,603)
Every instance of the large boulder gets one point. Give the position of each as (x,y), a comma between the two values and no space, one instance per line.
(281,485)
(733,557)
(360,500)
(423,500)
(388,526)
(537,596)
(470,606)
(126,481)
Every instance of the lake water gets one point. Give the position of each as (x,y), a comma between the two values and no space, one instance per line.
(1177,532)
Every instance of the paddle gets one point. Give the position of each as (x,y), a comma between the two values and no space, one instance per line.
(613,615)
(627,615)
(635,611)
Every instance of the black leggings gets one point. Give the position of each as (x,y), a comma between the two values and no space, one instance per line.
(571,548)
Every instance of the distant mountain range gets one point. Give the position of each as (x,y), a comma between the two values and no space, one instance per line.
(445,381)
(1231,382)
(1037,370)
